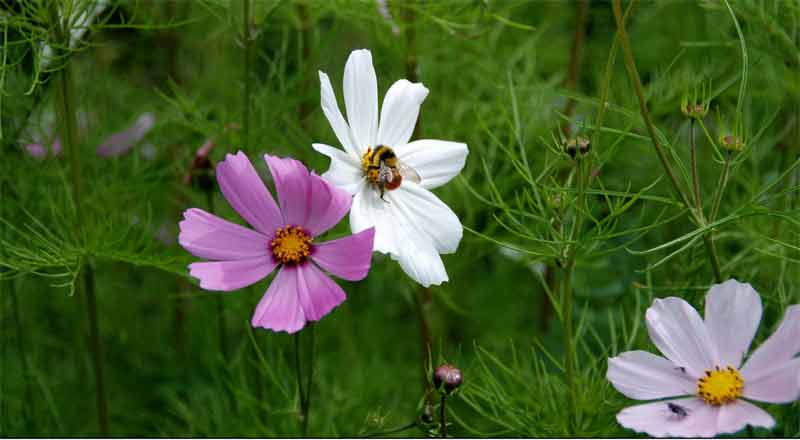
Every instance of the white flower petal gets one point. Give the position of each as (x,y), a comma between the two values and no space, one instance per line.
(733,417)
(778,349)
(657,420)
(331,110)
(427,215)
(775,385)
(677,330)
(399,112)
(369,210)
(402,235)
(361,99)
(641,375)
(435,161)
(733,312)
(344,172)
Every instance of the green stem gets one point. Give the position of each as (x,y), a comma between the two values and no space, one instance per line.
(96,347)
(566,313)
(246,40)
(723,182)
(68,126)
(443,415)
(698,203)
(23,357)
(392,431)
(708,238)
(305,389)
(309,378)
(633,73)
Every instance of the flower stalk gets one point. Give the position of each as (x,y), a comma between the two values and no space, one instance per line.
(65,109)
(305,389)
(633,74)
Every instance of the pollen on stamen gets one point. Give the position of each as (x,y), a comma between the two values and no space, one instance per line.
(720,386)
(290,245)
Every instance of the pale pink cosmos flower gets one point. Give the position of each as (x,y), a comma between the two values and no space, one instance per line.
(284,237)
(122,142)
(704,377)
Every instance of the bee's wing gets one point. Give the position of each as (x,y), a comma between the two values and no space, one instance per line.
(408,173)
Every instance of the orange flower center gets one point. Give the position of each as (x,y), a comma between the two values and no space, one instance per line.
(720,386)
(290,245)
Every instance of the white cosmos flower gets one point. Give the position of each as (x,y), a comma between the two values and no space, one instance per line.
(411,223)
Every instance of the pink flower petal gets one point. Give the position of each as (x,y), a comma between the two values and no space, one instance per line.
(734,416)
(676,329)
(778,349)
(56,146)
(36,150)
(777,384)
(208,236)
(231,275)
(733,312)
(641,375)
(246,193)
(349,257)
(657,420)
(121,142)
(297,294)
(327,205)
(279,308)
(292,183)
(317,292)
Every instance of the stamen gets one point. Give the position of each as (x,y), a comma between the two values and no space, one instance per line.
(290,245)
(720,386)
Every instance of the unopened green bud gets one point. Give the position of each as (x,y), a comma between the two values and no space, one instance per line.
(731,143)
(694,109)
(579,145)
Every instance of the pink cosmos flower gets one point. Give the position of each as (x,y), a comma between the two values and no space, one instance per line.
(704,375)
(123,141)
(283,237)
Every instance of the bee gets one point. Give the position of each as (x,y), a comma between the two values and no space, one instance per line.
(677,410)
(384,170)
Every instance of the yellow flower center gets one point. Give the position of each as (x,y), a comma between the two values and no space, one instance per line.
(290,245)
(720,386)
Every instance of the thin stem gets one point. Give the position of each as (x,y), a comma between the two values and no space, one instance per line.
(23,357)
(96,346)
(723,182)
(566,312)
(422,298)
(573,72)
(393,430)
(246,40)
(309,378)
(304,108)
(698,203)
(443,415)
(633,73)
(68,126)
(299,372)
(305,389)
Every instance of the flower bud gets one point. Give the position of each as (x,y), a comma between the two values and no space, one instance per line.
(577,145)
(695,107)
(731,143)
(447,375)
